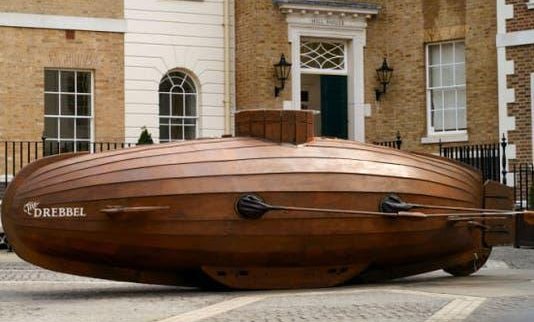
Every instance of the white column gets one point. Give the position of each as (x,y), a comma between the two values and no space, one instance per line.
(356,112)
(295,71)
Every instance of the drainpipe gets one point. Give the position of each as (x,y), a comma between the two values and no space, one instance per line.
(227,66)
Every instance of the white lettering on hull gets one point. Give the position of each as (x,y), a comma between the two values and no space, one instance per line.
(32,209)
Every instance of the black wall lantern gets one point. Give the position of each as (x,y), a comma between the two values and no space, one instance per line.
(384,77)
(282,69)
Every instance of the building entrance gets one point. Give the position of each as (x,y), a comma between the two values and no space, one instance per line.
(327,95)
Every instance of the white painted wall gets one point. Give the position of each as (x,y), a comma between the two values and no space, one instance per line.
(505,67)
(169,34)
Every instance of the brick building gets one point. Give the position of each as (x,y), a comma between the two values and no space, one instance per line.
(78,72)
(515,42)
(443,52)
(123,51)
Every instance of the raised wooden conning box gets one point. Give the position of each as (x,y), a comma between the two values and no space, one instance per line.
(295,127)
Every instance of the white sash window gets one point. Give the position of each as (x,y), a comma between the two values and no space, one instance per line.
(68,110)
(446,95)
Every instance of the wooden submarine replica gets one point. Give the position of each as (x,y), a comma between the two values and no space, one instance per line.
(272,208)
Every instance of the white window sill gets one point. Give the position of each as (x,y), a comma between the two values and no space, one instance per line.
(445,138)
(530,5)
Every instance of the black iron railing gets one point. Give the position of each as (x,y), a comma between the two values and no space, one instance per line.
(14,155)
(490,159)
(524,185)
(395,144)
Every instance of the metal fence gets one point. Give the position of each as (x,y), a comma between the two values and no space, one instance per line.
(490,159)
(395,144)
(524,185)
(14,155)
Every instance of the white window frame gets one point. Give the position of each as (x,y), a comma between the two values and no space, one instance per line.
(430,128)
(183,117)
(75,116)
(320,71)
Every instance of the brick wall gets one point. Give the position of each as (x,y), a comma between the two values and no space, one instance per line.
(523,57)
(93,8)
(261,36)
(399,36)
(27,52)
(523,17)
(481,71)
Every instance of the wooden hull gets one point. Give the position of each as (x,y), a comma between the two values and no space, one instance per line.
(166,214)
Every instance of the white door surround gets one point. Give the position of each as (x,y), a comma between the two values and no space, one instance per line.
(346,25)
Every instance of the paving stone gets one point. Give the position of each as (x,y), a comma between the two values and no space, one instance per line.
(366,306)
(510,309)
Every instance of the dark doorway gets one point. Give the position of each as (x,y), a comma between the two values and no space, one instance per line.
(334,105)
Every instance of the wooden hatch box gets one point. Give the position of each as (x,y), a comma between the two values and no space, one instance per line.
(283,126)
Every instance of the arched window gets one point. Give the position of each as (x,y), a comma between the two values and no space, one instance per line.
(177,107)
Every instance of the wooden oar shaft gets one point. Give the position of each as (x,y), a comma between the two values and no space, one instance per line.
(415,205)
(338,211)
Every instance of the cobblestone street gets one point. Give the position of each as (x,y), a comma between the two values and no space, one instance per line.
(502,291)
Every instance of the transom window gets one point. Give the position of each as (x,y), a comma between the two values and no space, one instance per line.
(68,110)
(322,55)
(177,107)
(446,87)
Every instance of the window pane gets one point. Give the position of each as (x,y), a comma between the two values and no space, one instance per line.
(177,121)
(164,121)
(191,105)
(165,85)
(51,104)
(163,133)
(67,81)
(447,53)
(66,146)
(460,74)
(66,128)
(438,120)
(190,132)
(84,82)
(190,122)
(461,98)
(462,119)
(437,99)
(84,105)
(435,77)
(189,86)
(51,81)
(450,120)
(164,104)
(177,90)
(450,99)
(459,52)
(433,52)
(176,133)
(83,130)
(51,127)
(177,105)
(177,78)
(67,104)
(51,147)
(322,55)
(448,76)
(82,146)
